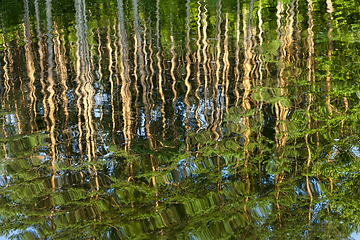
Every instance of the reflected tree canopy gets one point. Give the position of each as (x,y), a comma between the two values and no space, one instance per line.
(139,119)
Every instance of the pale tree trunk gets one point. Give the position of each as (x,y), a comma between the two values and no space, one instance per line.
(205,64)
(197,59)
(125,79)
(310,66)
(172,70)
(50,100)
(215,94)
(160,78)
(30,66)
(188,73)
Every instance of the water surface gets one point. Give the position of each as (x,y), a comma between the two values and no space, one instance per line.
(179,119)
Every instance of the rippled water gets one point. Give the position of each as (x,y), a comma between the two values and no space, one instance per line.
(179,119)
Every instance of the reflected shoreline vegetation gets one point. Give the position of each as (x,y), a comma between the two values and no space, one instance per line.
(139,119)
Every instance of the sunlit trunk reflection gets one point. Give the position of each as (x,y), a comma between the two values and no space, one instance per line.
(188,71)
(280,110)
(139,56)
(100,82)
(205,64)
(260,90)
(216,101)
(310,66)
(6,70)
(61,69)
(330,10)
(197,59)
(174,80)
(331,154)
(4,97)
(30,66)
(237,55)
(111,74)
(125,79)
(151,89)
(50,99)
(160,71)
(226,80)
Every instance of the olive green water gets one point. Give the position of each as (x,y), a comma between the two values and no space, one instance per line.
(144,119)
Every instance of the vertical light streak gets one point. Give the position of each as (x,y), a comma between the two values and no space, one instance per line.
(211,69)
(246,79)
(173,66)
(139,58)
(160,78)
(290,31)
(330,10)
(297,36)
(30,66)
(110,66)
(280,110)
(62,71)
(188,70)
(50,89)
(216,99)
(237,53)
(101,96)
(252,32)
(84,76)
(100,76)
(136,78)
(247,88)
(226,64)
(310,40)
(50,100)
(92,93)
(260,61)
(281,38)
(205,63)
(3,102)
(310,67)
(160,82)
(145,86)
(5,95)
(247,63)
(6,71)
(260,89)
(147,121)
(78,82)
(87,90)
(125,79)
(198,61)
(81,50)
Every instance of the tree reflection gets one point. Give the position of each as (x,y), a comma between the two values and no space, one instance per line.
(206,120)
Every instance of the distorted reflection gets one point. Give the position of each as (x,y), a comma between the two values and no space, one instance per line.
(137,119)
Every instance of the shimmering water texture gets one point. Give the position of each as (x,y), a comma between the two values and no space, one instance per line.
(152,119)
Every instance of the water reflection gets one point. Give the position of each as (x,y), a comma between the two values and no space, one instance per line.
(192,119)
